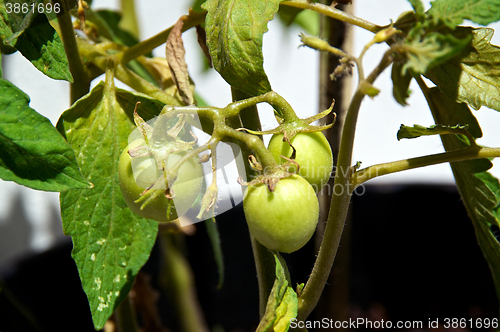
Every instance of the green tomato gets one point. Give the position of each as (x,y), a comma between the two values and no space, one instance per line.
(186,187)
(314,156)
(284,219)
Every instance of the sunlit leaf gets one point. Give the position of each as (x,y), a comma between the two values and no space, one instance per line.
(110,243)
(472,77)
(235,31)
(32,152)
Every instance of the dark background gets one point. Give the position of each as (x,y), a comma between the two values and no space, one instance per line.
(413,256)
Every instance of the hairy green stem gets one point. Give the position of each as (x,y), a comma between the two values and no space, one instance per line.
(333,13)
(81,80)
(125,317)
(263,258)
(148,45)
(340,200)
(179,283)
(473,152)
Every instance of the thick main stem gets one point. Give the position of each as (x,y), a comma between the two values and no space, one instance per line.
(81,80)
(336,216)
(264,259)
(340,199)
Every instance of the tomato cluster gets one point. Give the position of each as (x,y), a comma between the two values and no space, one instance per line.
(282,220)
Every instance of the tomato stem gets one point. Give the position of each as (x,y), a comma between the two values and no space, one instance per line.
(311,293)
(81,80)
(473,152)
(333,13)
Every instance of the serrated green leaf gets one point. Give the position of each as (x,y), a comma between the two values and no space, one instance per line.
(42,46)
(400,84)
(282,304)
(213,234)
(32,152)
(477,188)
(418,6)
(473,76)
(417,130)
(453,12)
(13,24)
(235,31)
(433,50)
(110,243)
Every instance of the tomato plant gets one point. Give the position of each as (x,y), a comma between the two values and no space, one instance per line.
(283,219)
(85,156)
(313,155)
(184,190)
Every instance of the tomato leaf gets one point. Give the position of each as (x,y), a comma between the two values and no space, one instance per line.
(434,49)
(41,45)
(282,303)
(472,76)
(12,24)
(32,152)
(453,12)
(34,37)
(108,23)
(418,6)
(478,189)
(235,31)
(400,84)
(417,130)
(110,243)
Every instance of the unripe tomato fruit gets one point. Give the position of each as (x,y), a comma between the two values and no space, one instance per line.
(284,219)
(314,156)
(186,187)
